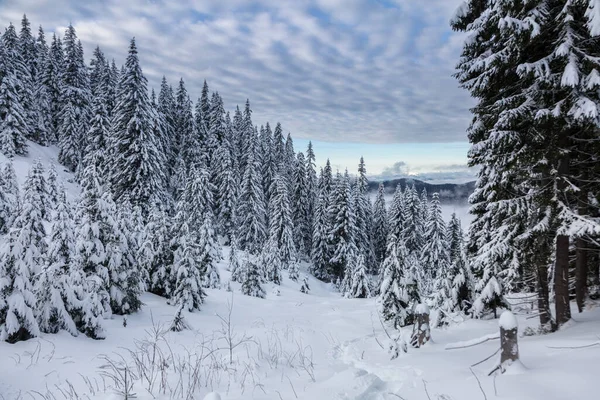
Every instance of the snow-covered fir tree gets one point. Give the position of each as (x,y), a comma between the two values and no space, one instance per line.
(138,166)
(57,303)
(363,232)
(434,255)
(10,196)
(235,264)
(251,207)
(380,225)
(281,226)
(359,287)
(21,258)
(226,193)
(14,122)
(155,253)
(270,257)
(398,293)
(251,278)
(321,251)
(76,102)
(187,273)
(341,235)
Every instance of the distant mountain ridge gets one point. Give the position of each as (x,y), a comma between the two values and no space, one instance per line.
(450,191)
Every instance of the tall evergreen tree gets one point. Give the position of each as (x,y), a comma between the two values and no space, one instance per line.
(138,169)
(20,260)
(281,223)
(251,207)
(226,192)
(76,102)
(14,118)
(52,80)
(300,201)
(11,196)
(341,236)
(320,252)
(364,218)
(380,225)
(397,289)
(56,300)
(434,255)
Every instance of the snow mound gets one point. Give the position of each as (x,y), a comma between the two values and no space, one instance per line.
(212,396)
(508,321)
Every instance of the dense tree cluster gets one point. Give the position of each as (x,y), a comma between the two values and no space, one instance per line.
(533,67)
(164,182)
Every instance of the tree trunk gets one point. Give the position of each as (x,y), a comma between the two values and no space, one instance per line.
(581,271)
(509,346)
(581,268)
(561,280)
(421,331)
(546,321)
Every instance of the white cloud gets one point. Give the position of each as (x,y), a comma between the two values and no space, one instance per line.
(337,70)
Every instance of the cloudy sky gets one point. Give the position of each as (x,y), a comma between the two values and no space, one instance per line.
(357,77)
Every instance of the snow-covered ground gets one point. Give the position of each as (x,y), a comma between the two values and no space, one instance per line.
(295,345)
(292,346)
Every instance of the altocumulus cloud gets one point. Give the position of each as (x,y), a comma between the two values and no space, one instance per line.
(371,71)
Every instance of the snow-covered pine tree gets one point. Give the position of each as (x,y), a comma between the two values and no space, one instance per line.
(27,74)
(359,283)
(127,279)
(187,272)
(76,102)
(92,235)
(52,80)
(269,168)
(396,213)
(14,122)
(235,265)
(305,288)
(21,258)
(281,226)
(226,193)
(499,137)
(11,196)
(42,107)
(412,222)
(167,113)
(155,254)
(251,207)
(380,225)
(251,278)
(272,262)
(205,104)
(138,166)
(397,290)
(434,255)
(300,201)
(53,189)
(363,233)
(239,149)
(99,133)
(341,235)
(562,82)
(217,131)
(56,301)
(210,253)
(451,285)
(320,253)
(278,145)
(312,183)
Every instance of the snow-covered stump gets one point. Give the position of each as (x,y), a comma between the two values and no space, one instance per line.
(421,332)
(509,348)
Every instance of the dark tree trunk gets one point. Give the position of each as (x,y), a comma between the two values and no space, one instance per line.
(561,280)
(581,272)
(509,346)
(546,321)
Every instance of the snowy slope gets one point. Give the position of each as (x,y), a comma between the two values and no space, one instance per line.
(48,156)
(314,346)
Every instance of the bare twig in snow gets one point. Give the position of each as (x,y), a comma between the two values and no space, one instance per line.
(479,383)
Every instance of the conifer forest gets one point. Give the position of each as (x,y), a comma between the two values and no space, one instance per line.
(157,243)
